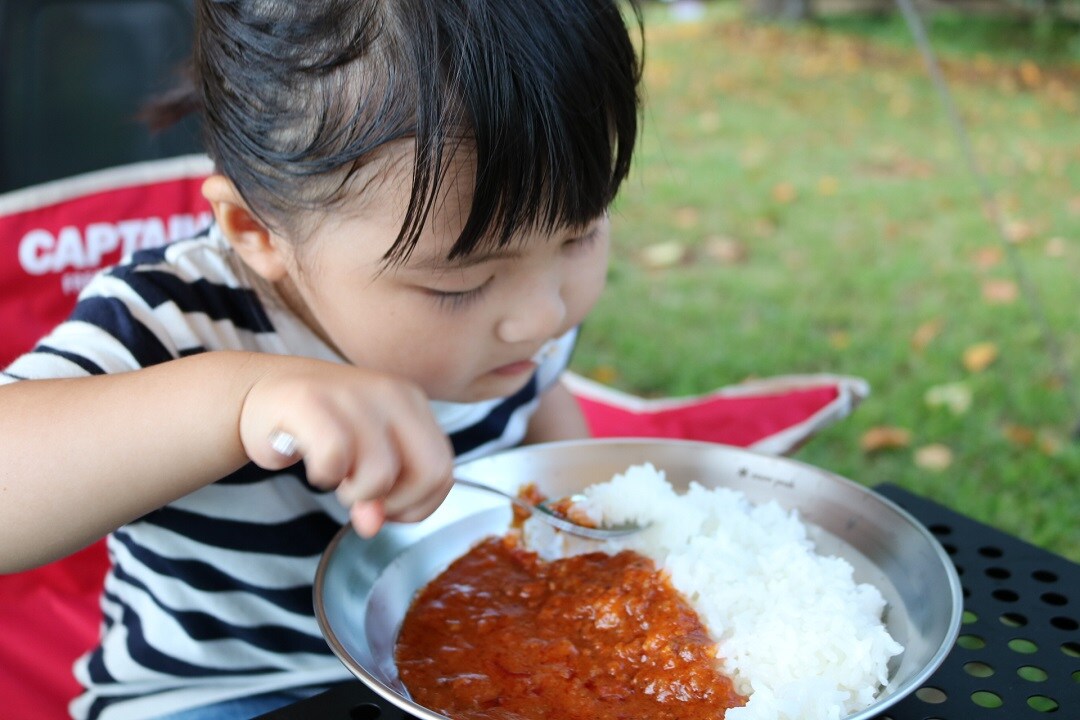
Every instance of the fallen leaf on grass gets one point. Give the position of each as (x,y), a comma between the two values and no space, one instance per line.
(839,340)
(1056,247)
(980,356)
(1030,74)
(659,74)
(726,250)
(828,186)
(935,457)
(784,193)
(764,227)
(1000,292)
(1019,231)
(1019,435)
(955,396)
(898,167)
(753,156)
(925,334)
(1031,121)
(988,257)
(1050,442)
(884,437)
(604,374)
(900,105)
(709,121)
(686,218)
(663,255)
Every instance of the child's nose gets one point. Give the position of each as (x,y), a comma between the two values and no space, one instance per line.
(534,315)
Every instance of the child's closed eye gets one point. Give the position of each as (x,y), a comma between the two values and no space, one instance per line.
(456,299)
(581,243)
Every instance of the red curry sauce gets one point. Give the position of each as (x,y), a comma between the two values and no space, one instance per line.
(501,634)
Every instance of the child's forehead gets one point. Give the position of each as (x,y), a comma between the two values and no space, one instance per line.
(390,170)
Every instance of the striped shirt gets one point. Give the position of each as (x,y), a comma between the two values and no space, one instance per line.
(210,597)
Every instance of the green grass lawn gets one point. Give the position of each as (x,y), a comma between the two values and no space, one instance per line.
(799,204)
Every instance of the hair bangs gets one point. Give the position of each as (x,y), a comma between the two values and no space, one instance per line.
(544,95)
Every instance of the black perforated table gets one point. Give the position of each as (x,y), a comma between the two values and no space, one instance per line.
(1017,657)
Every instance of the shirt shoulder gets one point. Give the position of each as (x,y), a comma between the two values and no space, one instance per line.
(156,305)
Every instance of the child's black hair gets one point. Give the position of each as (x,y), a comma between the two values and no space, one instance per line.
(297,95)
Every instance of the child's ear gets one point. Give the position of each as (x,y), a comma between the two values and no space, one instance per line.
(256,245)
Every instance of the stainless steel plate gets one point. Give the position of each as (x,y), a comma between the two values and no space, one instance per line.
(363,587)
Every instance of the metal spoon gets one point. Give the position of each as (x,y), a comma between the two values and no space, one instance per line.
(552,517)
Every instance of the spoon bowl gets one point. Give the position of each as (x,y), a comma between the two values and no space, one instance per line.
(545,512)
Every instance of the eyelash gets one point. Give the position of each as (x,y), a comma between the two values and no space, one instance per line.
(582,242)
(458,300)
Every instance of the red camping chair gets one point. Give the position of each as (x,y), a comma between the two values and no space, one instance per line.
(52,238)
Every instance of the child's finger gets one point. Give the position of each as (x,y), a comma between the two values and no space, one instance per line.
(330,449)
(375,469)
(426,475)
(367,517)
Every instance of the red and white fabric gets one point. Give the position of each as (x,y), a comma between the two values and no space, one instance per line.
(55,236)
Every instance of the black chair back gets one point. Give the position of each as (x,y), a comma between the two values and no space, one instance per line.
(74,75)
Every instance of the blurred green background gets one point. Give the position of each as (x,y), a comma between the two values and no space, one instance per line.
(800,204)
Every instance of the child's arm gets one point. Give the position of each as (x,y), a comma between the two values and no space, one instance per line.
(83,456)
(558,417)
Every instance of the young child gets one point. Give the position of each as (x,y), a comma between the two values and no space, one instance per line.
(410,206)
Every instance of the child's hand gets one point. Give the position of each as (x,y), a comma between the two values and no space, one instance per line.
(369,436)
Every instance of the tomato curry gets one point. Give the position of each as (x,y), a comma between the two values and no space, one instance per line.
(504,635)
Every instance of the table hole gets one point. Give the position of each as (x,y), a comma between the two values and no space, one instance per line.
(986,699)
(1011,619)
(1045,576)
(1065,623)
(1072,649)
(964,591)
(1032,673)
(1053,598)
(1023,646)
(959,569)
(1042,703)
(971,642)
(998,573)
(990,551)
(932,695)
(1076,677)
(978,669)
(969,617)
(1005,595)
(949,548)
(941,529)
(367,711)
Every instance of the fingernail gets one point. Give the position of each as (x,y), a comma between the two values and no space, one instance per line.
(283,443)
(367,519)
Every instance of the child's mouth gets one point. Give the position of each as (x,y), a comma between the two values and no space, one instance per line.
(516,368)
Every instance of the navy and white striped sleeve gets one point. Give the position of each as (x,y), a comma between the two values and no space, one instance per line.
(142,313)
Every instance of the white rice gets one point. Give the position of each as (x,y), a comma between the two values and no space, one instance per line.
(794,631)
